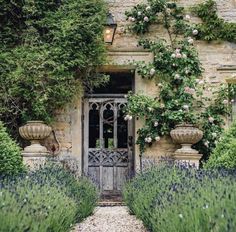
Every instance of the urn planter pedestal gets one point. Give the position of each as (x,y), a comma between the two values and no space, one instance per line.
(35,131)
(186,135)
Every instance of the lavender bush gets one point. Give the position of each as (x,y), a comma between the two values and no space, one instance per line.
(49,199)
(169,198)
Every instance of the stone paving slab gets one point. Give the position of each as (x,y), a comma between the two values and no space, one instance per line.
(110,219)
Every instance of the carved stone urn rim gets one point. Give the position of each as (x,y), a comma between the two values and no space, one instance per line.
(187,125)
(29,124)
(36,121)
(35,131)
(186,135)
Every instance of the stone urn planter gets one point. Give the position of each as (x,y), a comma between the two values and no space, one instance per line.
(186,135)
(35,131)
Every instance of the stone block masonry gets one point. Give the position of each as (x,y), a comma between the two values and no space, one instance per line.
(68,126)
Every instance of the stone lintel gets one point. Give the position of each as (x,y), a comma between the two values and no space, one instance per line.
(227,68)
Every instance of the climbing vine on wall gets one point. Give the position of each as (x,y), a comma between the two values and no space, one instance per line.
(49,51)
(213,27)
(183,96)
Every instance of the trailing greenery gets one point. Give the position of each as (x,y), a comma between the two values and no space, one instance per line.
(49,52)
(10,154)
(223,155)
(213,27)
(183,96)
(49,199)
(171,16)
(169,198)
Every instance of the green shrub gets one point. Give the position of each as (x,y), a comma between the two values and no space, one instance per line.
(224,155)
(10,154)
(49,51)
(168,198)
(49,199)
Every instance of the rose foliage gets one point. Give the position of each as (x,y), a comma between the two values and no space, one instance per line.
(183,96)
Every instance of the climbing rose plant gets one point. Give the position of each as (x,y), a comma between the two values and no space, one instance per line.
(183,96)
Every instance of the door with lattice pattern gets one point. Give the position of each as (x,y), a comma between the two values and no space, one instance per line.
(108,145)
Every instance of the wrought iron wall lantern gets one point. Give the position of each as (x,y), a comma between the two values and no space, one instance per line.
(110,29)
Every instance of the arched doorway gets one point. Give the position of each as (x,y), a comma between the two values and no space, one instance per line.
(108,158)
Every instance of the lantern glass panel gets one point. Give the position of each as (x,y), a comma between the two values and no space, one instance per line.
(109,32)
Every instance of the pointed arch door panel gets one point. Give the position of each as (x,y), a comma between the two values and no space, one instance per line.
(108,158)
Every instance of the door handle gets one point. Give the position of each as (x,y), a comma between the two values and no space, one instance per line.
(130,141)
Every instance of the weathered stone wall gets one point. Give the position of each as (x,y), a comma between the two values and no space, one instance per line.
(212,55)
(216,58)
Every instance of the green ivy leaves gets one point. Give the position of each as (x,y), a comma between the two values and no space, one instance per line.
(49,51)
(213,27)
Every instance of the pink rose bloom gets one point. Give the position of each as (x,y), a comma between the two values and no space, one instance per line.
(187,17)
(148,139)
(195,32)
(206,143)
(225,102)
(214,135)
(185,107)
(211,119)
(152,71)
(156,124)
(178,55)
(190,40)
(150,109)
(146,19)
(128,117)
(177,76)
(189,90)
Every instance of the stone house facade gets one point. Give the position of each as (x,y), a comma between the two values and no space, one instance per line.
(71,132)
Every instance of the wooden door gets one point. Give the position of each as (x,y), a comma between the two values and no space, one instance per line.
(108,158)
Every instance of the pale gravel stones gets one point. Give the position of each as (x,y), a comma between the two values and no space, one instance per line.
(110,219)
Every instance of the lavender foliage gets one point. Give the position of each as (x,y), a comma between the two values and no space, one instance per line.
(49,199)
(180,198)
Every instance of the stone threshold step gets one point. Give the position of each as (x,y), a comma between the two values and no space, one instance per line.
(110,203)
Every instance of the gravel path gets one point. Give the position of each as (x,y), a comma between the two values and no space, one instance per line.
(110,219)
